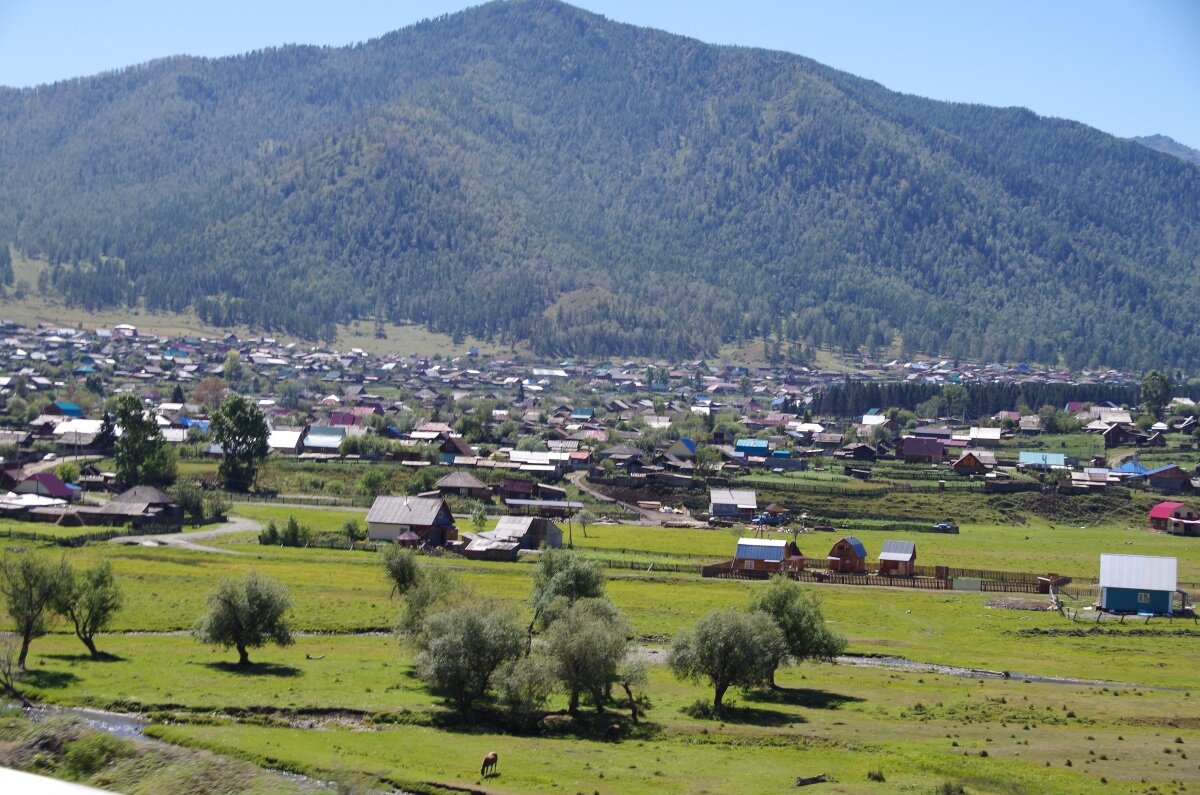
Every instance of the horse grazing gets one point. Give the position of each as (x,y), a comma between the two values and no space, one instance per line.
(613,733)
(489,765)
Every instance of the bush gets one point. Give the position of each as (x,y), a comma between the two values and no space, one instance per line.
(216,506)
(86,757)
(876,775)
(269,536)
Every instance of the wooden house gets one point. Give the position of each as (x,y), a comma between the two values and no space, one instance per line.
(848,556)
(428,518)
(974,462)
(898,558)
(1170,479)
(464,484)
(921,450)
(766,554)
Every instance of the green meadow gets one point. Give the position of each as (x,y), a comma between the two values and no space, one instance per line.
(343,702)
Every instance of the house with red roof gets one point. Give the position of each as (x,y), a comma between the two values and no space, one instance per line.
(1177,518)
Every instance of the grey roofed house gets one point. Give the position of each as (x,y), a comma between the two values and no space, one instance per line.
(902,551)
(732,502)
(428,517)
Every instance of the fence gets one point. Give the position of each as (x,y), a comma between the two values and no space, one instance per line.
(78,539)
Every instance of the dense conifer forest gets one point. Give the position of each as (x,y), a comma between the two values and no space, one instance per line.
(529,171)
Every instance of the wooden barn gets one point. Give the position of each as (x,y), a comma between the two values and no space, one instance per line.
(898,558)
(848,556)
(766,554)
(1137,584)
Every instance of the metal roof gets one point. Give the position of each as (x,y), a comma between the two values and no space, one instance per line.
(420,511)
(761,549)
(1139,572)
(742,499)
(898,550)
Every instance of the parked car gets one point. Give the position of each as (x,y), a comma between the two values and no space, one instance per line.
(945,527)
(50,457)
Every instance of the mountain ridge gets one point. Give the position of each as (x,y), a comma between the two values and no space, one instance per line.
(515,153)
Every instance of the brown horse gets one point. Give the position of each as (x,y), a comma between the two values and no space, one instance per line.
(489,765)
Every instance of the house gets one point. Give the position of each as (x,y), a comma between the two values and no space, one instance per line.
(974,462)
(516,488)
(428,518)
(47,484)
(1177,518)
(284,442)
(1170,479)
(464,484)
(732,504)
(921,450)
(64,408)
(1137,584)
(985,437)
(324,439)
(898,558)
(140,505)
(859,451)
(1121,435)
(766,554)
(848,556)
(512,534)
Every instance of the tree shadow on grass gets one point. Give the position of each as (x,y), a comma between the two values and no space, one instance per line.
(43,679)
(801,697)
(755,716)
(254,669)
(85,657)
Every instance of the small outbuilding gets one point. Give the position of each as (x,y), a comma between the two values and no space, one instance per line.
(848,556)
(512,534)
(898,558)
(764,554)
(464,484)
(1137,584)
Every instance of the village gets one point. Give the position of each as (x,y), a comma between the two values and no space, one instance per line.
(534,446)
(932,528)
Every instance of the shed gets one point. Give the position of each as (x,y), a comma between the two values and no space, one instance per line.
(513,533)
(898,558)
(763,554)
(848,556)
(1171,479)
(1137,583)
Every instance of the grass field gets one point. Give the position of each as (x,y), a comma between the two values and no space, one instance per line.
(343,701)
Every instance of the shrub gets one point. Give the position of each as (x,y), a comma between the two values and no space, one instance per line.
(86,757)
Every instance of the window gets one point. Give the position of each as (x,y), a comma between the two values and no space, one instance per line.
(1143,598)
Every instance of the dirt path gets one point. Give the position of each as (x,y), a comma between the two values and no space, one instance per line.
(187,540)
(647,517)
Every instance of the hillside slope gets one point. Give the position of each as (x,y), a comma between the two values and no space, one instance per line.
(527,170)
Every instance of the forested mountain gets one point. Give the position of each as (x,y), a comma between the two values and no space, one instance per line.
(1168,145)
(527,170)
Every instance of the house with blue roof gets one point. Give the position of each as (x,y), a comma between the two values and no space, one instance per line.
(848,556)
(1170,479)
(1131,469)
(65,408)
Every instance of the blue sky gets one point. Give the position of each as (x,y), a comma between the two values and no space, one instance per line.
(1129,67)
